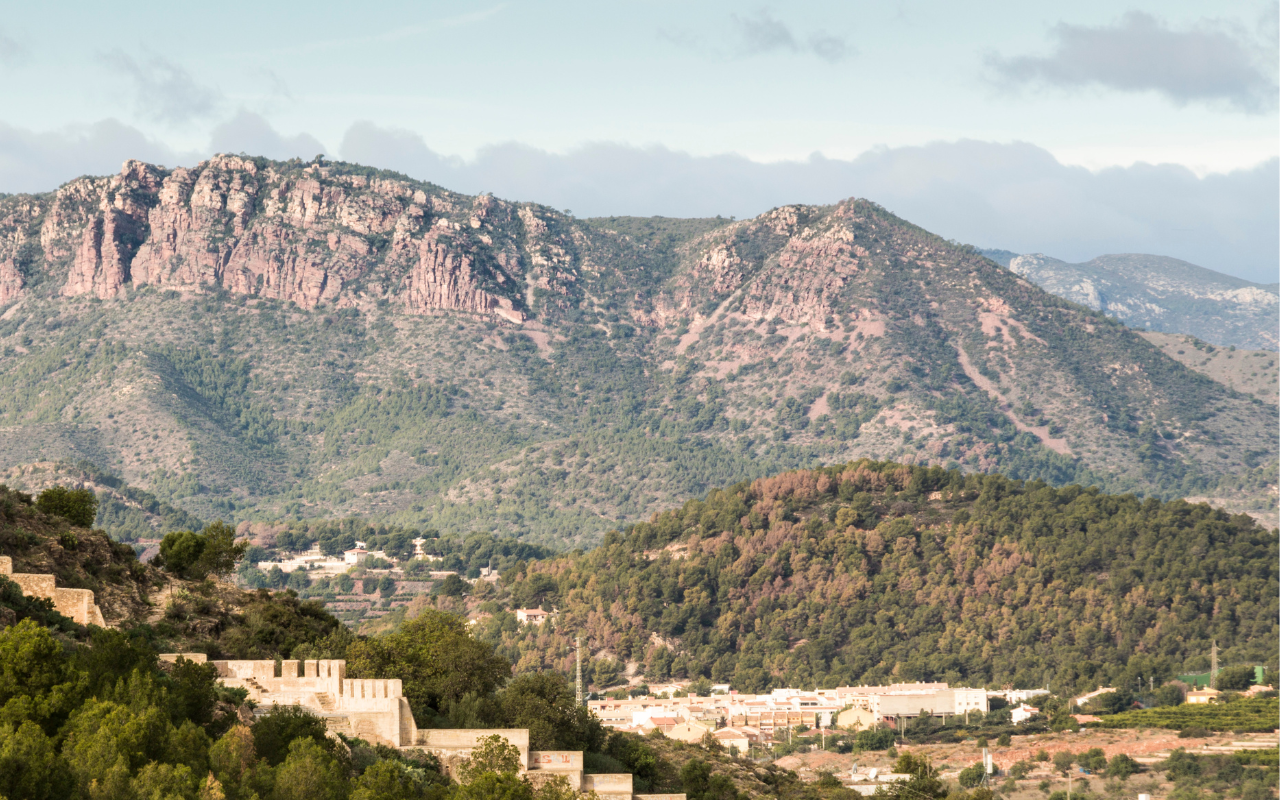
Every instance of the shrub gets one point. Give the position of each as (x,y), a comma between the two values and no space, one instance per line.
(971,776)
(196,556)
(1236,678)
(77,506)
(279,727)
(493,755)
(1093,760)
(1121,766)
(875,739)
(1062,761)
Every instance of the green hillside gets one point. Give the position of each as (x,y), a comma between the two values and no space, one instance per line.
(874,572)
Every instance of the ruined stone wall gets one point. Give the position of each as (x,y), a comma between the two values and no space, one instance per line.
(377,711)
(556,763)
(615,785)
(79,605)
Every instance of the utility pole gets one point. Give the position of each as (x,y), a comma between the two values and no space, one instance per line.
(1213,665)
(577,640)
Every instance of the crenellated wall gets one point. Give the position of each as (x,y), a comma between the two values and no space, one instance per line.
(78,605)
(377,711)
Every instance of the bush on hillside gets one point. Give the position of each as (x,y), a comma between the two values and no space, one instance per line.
(196,556)
(77,506)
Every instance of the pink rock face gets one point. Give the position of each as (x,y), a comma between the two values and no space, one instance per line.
(304,236)
(15,234)
(110,237)
(441,277)
(10,281)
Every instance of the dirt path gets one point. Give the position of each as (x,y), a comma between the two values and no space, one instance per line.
(1041,432)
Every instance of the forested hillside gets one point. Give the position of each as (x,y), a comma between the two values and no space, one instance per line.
(265,340)
(875,572)
(89,712)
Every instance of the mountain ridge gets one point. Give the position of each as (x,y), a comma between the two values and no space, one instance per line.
(255,339)
(1162,294)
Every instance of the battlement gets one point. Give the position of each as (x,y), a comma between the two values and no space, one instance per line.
(375,709)
(79,605)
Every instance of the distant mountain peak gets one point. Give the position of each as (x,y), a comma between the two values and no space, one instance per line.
(1160,293)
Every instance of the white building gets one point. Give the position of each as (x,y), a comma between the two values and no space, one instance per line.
(1016,695)
(1023,712)
(355,555)
(532,616)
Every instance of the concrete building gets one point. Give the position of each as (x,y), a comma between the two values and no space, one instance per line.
(1022,712)
(853,707)
(910,701)
(1013,696)
(1084,698)
(375,710)
(688,732)
(734,737)
(355,555)
(532,616)
(857,719)
(1203,696)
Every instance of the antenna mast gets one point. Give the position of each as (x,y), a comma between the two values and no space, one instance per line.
(577,640)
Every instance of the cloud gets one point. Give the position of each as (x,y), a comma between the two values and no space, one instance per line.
(1012,196)
(165,92)
(762,34)
(39,161)
(250,133)
(12,52)
(1209,61)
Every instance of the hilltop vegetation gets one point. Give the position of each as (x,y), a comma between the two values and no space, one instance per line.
(1250,371)
(92,713)
(575,376)
(874,572)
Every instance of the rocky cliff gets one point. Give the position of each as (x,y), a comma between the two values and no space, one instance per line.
(310,339)
(307,234)
(1164,294)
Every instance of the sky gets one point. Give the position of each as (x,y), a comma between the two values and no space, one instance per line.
(1072,129)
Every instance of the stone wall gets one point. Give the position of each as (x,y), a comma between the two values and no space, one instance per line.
(79,605)
(613,786)
(376,710)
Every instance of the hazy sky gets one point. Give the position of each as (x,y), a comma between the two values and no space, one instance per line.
(1055,127)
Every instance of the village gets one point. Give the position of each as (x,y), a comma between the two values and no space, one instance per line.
(744,721)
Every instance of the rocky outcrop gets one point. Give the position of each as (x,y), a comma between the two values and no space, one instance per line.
(443,277)
(19,234)
(10,281)
(110,238)
(1163,294)
(309,234)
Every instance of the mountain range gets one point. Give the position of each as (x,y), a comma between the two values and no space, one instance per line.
(253,339)
(1161,294)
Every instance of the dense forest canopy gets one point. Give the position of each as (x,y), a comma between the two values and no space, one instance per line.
(875,572)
